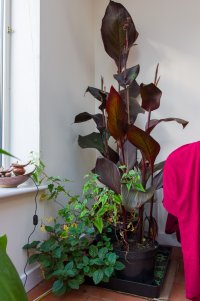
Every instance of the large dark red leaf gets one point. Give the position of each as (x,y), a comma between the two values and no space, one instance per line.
(150,97)
(127,76)
(117,115)
(144,142)
(98,119)
(97,93)
(130,155)
(109,174)
(154,122)
(113,32)
(93,140)
(112,155)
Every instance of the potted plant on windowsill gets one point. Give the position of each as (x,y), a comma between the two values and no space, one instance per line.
(136,149)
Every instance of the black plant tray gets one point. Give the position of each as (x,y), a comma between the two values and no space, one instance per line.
(145,289)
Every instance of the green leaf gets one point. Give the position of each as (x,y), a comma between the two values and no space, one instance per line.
(69,265)
(57,253)
(58,287)
(119,266)
(32,245)
(108,271)
(98,276)
(49,245)
(93,251)
(102,252)
(11,287)
(33,258)
(96,261)
(85,260)
(3,152)
(71,273)
(86,269)
(73,284)
(111,257)
(98,222)
(49,229)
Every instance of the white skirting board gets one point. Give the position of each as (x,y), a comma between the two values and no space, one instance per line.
(34,277)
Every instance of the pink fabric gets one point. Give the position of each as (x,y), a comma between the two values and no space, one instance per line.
(182,199)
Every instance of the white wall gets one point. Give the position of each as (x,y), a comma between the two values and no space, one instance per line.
(169,35)
(66,69)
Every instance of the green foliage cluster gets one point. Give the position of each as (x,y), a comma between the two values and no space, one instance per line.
(78,243)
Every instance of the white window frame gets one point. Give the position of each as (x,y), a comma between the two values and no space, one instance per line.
(7,31)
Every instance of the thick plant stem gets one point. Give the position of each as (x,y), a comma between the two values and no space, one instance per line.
(141,224)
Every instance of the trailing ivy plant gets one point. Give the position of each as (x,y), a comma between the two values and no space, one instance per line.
(78,244)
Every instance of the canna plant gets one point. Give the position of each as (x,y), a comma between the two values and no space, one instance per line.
(136,149)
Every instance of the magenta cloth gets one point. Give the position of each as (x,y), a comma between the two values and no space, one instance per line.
(181,184)
(172,226)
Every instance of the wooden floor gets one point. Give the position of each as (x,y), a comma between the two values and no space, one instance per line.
(91,293)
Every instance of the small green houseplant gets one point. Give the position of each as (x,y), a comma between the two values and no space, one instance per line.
(136,149)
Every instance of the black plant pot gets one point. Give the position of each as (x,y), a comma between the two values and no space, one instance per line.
(139,264)
(149,289)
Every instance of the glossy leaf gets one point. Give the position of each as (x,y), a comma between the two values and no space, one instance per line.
(109,174)
(97,93)
(127,76)
(3,152)
(11,287)
(150,95)
(135,199)
(117,115)
(113,32)
(153,123)
(134,109)
(130,154)
(98,119)
(144,142)
(93,140)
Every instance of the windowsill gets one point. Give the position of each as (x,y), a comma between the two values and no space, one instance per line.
(9,192)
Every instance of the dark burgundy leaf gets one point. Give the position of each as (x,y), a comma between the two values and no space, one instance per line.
(135,109)
(150,97)
(117,115)
(109,174)
(97,93)
(130,155)
(98,118)
(158,180)
(113,156)
(154,122)
(144,142)
(113,32)
(93,140)
(127,76)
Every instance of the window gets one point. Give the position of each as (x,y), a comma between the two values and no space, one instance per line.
(5,31)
